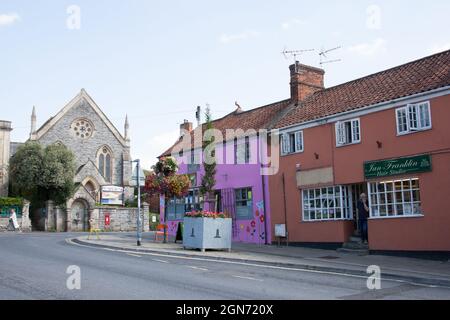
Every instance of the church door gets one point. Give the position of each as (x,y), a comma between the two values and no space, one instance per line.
(80,216)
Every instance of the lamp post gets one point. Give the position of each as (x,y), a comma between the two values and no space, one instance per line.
(138,218)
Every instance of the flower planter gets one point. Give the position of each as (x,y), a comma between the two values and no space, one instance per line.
(207,233)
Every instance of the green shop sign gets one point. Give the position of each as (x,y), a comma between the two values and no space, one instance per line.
(384,168)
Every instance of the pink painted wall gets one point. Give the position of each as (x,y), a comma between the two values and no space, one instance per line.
(236,177)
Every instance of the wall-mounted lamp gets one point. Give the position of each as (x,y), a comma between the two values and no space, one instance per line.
(316,155)
(379,144)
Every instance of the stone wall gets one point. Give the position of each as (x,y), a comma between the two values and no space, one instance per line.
(24,220)
(122,219)
(87,149)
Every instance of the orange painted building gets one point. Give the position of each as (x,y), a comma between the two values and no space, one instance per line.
(387,135)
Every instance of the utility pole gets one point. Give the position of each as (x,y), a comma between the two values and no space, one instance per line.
(138,217)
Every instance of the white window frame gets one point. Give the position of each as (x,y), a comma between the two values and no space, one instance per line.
(345,203)
(394,204)
(299,145)
(355,132)
(411,111)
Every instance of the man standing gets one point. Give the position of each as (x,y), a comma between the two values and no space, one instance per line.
(363,214)
(13,220)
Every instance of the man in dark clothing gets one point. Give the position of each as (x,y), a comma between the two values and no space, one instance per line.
(363,214)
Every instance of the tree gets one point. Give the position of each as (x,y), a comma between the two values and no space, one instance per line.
(164,181)
(209,163)
(42,174)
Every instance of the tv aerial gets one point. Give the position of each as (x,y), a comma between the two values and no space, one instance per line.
(295,53)
(324,56)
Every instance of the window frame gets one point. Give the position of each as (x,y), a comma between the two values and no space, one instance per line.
(345,203)
(417,107)
(286,148)
(341,132)
(414,203)
(237,199)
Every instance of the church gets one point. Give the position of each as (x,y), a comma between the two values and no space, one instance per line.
(102,157)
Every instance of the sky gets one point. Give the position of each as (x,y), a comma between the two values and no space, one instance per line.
(158,60)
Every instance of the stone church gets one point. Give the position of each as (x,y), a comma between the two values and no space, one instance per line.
(102,157)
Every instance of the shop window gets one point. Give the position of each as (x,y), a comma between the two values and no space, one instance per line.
(244,204)
(175,209)
(324,204)
(291,142)
(394,198)
(348,132)
(413,118)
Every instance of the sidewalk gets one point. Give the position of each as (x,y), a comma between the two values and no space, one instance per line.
(426,272)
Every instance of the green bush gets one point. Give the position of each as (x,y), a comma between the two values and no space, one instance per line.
(6,202)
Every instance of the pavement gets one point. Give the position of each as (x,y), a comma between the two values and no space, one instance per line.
(402,269)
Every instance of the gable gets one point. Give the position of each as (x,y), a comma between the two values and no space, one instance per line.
(83,99)
(89,170)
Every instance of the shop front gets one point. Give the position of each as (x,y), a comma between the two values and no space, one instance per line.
(407,199)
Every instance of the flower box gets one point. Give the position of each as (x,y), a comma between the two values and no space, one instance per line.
(207,233)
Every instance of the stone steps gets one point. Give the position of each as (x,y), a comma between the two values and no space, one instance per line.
(354,246)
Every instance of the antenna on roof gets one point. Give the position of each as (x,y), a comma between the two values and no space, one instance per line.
(198,115)
(323,56)
(294,53)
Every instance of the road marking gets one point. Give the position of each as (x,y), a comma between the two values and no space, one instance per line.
(162,261)
(134,255)
(198,268)
(260,266)
(248,278)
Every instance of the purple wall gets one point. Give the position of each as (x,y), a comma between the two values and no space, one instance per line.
(231,176)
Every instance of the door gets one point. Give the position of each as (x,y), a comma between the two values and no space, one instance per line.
(357,189)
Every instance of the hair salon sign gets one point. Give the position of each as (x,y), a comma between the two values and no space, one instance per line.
(384,168)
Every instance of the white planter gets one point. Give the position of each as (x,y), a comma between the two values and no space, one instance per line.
(207,233)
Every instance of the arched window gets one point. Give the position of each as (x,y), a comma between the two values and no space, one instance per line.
(105,164)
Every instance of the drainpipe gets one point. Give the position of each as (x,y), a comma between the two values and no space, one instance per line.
(263,182)
(285,209)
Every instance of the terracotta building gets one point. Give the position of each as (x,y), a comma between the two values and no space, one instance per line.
(386,135)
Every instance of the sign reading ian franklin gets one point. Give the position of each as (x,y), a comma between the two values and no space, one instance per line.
(384,168)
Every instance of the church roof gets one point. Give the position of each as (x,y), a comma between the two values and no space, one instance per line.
(83,95)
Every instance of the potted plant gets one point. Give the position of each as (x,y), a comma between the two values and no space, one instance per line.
(206,230)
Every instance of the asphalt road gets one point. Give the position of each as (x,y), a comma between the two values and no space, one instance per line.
(34,266)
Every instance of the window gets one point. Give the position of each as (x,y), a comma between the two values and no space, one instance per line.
(193,201)
(291,142)
(82,128)
(394,198)
(244,204)
(348,132)
(413,118)
(177,207)
(105,163)
(330,203)
(242,151)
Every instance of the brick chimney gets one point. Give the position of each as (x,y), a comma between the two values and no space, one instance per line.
(305,80)
(185,126)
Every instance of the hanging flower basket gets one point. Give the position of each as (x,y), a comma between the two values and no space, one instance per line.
(207,230)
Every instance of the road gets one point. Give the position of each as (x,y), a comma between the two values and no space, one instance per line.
(33,266)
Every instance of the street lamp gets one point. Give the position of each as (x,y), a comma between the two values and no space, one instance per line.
(138,218)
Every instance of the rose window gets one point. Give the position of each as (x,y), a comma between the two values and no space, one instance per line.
(82,128)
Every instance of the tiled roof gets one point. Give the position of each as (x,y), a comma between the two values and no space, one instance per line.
(258,118)
(422,75)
